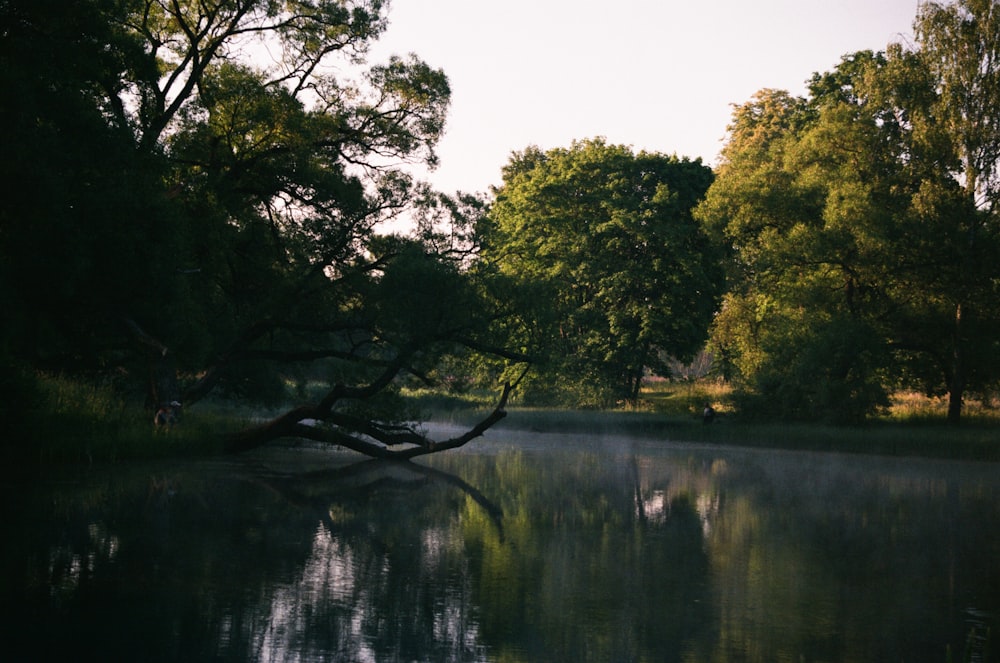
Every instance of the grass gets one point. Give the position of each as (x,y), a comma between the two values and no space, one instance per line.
(86,424)
(671,411)
(72,422)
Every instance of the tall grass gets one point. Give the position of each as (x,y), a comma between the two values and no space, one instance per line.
(71,422)
(687,398)
(909,406)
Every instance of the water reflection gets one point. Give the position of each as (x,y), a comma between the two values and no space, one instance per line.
(513,550)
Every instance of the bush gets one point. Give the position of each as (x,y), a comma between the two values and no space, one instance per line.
(830,373)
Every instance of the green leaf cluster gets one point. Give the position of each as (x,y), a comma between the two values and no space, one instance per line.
(610,271)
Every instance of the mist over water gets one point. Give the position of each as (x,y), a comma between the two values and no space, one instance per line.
(517,547)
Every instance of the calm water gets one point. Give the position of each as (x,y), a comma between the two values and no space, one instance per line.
(528,548)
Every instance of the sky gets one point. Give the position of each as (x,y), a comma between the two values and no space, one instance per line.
(656,75)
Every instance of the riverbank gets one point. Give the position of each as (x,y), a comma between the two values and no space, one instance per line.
(975,441)
(914,425)
(89,427)
(197,435)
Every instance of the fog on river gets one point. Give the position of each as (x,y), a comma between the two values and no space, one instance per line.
(518,547)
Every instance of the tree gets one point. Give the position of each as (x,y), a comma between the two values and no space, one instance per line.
(800,280)
(235,241)
(612,271)
(78,181)
(851,217)
(959,123)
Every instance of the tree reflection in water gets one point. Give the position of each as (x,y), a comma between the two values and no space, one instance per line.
(411,568)
(616,553)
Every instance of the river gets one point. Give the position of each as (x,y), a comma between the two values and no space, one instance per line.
(518,547)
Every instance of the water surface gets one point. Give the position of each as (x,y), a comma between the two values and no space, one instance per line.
(516,548)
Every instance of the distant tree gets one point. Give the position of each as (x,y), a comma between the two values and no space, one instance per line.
(611,268)
(204,183)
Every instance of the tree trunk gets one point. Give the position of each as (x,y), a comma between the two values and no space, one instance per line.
(635,387)
(162,387)
(955,397)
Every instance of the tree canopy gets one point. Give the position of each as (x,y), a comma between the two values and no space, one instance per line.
(201,187)
(614,274)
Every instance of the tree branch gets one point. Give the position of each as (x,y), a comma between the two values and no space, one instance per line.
(295,423)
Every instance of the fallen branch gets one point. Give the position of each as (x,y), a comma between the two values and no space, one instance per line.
(372,440)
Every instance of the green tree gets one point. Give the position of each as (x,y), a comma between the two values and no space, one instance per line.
(206,214)
(67,265)
(612,271)
(934,107)
(808,199)
(865,213)
(955,119)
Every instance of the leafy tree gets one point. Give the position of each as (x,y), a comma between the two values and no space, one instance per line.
(77,181)
(866,210)
(611,270)
(954,119)
(806,197)
(935,105)
(209,216)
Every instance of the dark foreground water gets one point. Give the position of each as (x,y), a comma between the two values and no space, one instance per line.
(529,548)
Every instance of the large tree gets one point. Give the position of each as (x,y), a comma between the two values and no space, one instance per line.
(955,120)
(794,315)
(204,183)
(613,272)
(863,226)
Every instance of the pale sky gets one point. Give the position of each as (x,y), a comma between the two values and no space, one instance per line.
(655,75)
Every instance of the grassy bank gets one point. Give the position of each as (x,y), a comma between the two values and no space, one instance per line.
(66,422)
(87,424)
(914,426)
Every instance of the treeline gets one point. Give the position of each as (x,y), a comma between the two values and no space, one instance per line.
(187,217)
(857,228)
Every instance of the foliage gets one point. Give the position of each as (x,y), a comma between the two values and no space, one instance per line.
(194,219)
(69,268)
(800,215)
(820,372)
(189,218)
(862,228)
(55,420)
(959,51)
(608,267)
